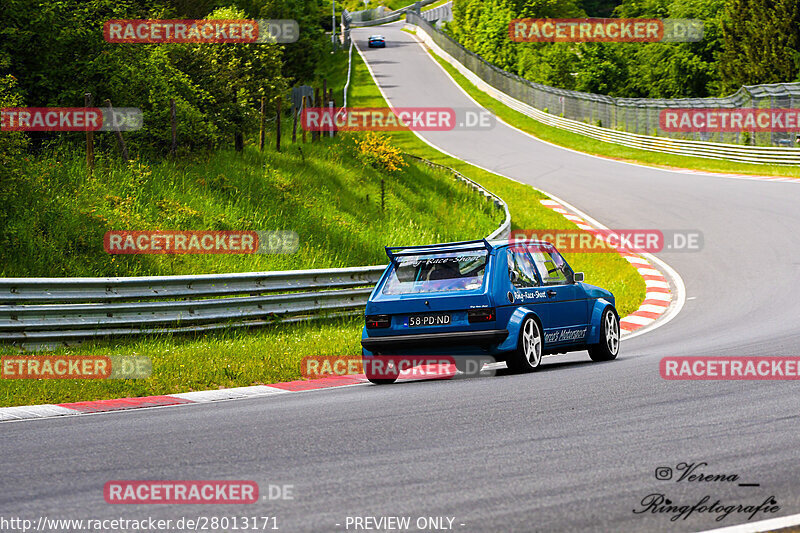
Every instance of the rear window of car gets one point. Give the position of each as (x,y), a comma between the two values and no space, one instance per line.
(440,272)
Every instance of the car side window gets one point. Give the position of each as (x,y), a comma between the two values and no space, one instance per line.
(520,269)
(552,267)
(562,265)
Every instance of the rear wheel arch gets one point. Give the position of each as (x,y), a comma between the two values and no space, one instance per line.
(518,360)
(605,349)
(538,321)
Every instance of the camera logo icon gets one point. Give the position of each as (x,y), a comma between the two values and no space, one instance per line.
(663,473)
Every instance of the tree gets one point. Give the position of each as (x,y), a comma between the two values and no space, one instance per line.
(300,59)
(599,8)
(761,39)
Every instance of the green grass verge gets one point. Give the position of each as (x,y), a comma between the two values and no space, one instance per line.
(435,5)
(610,150)
(182,364)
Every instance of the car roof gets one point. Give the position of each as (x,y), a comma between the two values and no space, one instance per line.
(376,36)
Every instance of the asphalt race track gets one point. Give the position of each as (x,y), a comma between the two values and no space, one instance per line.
(573,447)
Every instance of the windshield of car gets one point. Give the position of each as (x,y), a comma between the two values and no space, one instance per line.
(452,271)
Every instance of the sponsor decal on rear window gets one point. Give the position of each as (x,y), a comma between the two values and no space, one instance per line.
(440,272)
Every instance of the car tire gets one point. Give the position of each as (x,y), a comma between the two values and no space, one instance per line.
(608,347)
(372,376)
(528,355)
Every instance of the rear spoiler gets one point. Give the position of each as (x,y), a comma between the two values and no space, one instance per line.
(463,246)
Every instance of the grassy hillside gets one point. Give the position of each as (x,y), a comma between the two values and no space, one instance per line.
(54,217)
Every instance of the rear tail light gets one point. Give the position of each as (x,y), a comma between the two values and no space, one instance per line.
(481,315)
(378,321)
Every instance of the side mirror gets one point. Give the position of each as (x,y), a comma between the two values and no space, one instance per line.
(513,276)
(577,277)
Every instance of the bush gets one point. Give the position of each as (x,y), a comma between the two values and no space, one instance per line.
(376,151)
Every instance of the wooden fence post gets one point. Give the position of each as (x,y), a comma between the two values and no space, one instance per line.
(278,126)
(261,134)
(173,122)
(87,102)
(324,102)
(302,107)
(118,132)
(318,104)
(331,106)
(294,123)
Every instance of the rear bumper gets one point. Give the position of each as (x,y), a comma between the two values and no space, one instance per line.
(420,340)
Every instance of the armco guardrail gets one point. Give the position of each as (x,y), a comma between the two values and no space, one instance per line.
(392,17)
(62,309)
(442,13)
(443,45)
(45,311)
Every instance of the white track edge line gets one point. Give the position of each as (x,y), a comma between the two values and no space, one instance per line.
(758,527)
(118,411)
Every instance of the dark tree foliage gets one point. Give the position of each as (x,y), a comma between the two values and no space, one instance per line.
(745,42)
(301,58)
(761,42)
(51,53)
(599,8)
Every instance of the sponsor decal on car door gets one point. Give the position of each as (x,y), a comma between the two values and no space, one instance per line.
(525,286)
(565,301)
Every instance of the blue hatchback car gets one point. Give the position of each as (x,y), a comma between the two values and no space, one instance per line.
(376,41)
(514,302)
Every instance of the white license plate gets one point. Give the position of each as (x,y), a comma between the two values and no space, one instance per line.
(416,321)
